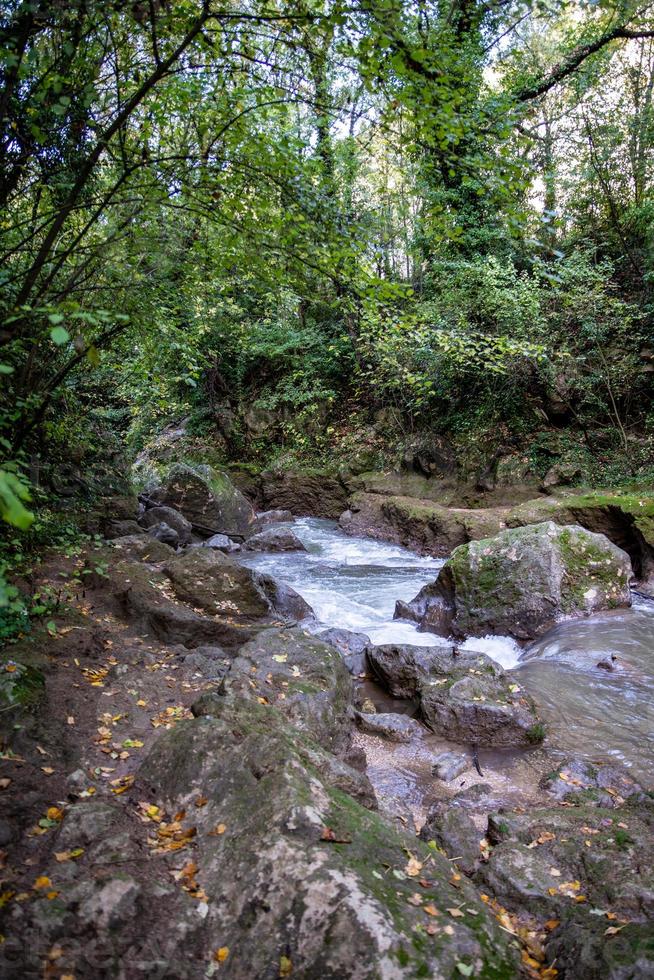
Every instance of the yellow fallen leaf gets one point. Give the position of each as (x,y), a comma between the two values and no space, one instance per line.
(42,882)
(54,813)
(413,868)
(69,855)
(221,954)
(285,965)
(431,910)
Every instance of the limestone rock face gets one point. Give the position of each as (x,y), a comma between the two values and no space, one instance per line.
(207,499)
(305,494)
(300,875)
(522,582)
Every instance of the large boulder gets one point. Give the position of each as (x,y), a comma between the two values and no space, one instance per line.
(522,582)
(171,517)
(214,583)
(275,539)
(207,499)
(301,879)
(463,696)
(209,580)
(147,602)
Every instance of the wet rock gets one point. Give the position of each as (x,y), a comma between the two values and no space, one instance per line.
(432,609)
(274,539)
(345,641)
(394,727)
(480,709)
(466,697)
(167,535)
(299,871)
(285,601)
(142,547)
(220,542)
(523,581)
(121,529)
(207,499)
(449,765)
(267,517)
(601,784)
(306,680)
(402,669)
(454,831)
(171,517)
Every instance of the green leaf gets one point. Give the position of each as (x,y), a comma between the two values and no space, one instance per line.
(59,335)
(93,356)
(12,494)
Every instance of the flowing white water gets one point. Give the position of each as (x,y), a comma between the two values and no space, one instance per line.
(353,583)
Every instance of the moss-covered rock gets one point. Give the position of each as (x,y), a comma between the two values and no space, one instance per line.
(463,696)
(523,581)
(304,877)
(207,498)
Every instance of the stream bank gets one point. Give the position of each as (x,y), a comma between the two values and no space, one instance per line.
(186,790)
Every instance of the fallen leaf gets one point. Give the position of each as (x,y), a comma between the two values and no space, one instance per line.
(4,782)
(612,930)
(456,913)
(413,868)
(69,855)
(42,882)
(48,770)
(431,910)
(555,872)
(201,801)
(285,965)
(221,954)
(329,835)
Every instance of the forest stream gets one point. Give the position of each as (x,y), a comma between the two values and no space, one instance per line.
(352,583)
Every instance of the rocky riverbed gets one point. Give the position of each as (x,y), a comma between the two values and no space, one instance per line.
(237,762)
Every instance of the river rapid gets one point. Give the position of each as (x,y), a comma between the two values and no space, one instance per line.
(353,583)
